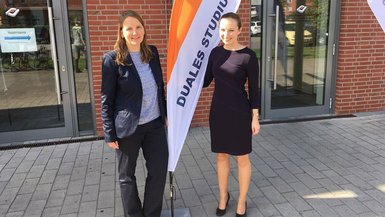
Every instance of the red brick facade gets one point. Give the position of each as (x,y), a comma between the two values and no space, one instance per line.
(360,85)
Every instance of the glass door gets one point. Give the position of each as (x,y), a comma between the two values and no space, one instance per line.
(34,101)
(298,58)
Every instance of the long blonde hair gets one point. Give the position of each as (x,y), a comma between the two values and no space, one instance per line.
(120,46)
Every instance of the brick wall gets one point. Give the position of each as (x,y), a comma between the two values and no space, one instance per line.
(103,20)
(360,83)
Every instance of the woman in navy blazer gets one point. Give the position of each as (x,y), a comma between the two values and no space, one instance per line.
(133,114)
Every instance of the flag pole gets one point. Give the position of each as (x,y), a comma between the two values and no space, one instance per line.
(171,193)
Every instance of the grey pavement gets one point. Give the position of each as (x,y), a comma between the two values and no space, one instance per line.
(333,167)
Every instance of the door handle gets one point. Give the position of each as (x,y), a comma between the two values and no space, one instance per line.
(54,55)
(276,47)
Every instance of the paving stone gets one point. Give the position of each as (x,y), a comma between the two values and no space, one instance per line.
(6,156)
(297,202)
(357,206)
(2,186)
(21,152)
(90,193)
(280,185)
(286,209)
(201,186)
(71,204)
(106,199)
(183,181)
(88,209)
(75,187)
(29,186)
(14,162)
(69,215)
(190,197)
(344,210)
(56,198)
(51,211)
(8,195)
(20,203)
(53,164)
(48,177)
(4,209)
(59,151)
(61,182)
(6,174)
(368,214)
(376,207)
(16,180)
(107,212)
(44,156)
(313,172)
(266,207)
(66,168)
(36,171)
(42,192)
(85,149)
(289,161)
(78,173)
(286,175)
(322,208)
(310,213)
(107,183)
(273,195)
(308,181)
(24,166)
(197,211)
(92,178)
(35,208)
(15,214)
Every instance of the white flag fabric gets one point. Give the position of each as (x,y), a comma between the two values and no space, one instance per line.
(194,32)
(378,8)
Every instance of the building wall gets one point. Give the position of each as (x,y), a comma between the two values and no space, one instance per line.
(103,20)
(360,83)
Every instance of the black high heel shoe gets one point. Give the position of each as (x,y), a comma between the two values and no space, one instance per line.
(221,212)
(242,215)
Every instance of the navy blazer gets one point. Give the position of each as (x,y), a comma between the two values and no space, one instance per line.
(122,95)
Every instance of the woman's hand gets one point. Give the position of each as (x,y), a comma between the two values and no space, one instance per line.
(255,122)
(255,126)
(113,145)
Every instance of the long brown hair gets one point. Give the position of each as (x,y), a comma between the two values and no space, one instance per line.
(120,46)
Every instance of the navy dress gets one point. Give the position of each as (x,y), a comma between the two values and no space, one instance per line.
(231,106)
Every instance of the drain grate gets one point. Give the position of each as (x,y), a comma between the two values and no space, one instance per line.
(53,142)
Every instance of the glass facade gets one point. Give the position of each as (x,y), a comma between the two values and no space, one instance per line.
(79,65)
(29,90)
(37,84)
(299,53)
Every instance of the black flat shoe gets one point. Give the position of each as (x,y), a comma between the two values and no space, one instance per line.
(221,212)
(242,215)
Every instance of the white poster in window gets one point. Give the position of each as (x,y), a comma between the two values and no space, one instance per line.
(18,40)
(378,8)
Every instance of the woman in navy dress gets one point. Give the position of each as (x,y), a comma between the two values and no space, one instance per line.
(234,113)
